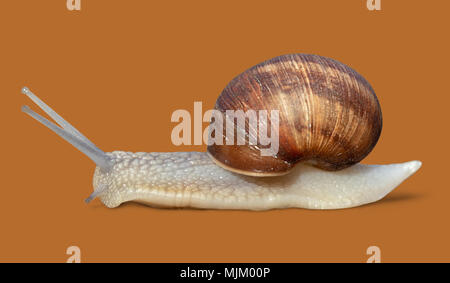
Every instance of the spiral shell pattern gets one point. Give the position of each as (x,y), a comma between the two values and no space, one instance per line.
(329,115)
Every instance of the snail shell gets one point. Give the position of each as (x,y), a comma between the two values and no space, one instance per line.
(329,115)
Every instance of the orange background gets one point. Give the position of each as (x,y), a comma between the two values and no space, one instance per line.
(118,69)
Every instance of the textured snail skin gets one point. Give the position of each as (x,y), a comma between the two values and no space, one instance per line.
(192,179)
(329,115)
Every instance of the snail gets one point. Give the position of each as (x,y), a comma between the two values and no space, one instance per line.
(329,120)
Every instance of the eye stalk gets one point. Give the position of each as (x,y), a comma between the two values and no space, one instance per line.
(67,131)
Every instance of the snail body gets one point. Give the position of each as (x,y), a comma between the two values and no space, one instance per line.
(329,120)
(192,179)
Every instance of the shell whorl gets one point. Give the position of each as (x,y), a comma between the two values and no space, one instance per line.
(329,115)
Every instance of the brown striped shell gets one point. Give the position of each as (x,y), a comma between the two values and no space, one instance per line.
(329,115)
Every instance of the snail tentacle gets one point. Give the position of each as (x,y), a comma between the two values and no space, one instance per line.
(57,118)
(68,132)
